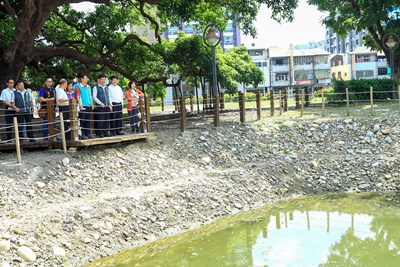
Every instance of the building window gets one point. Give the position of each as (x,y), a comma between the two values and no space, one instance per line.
(281,77)
(228,40)
(322,74)
(364,73)
(321,59)
(333,75)
(382,71)
(303,60)
(280,61)
(339,74)
(363,58)
(264,64)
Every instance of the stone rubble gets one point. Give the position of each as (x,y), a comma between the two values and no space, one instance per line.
(58,209)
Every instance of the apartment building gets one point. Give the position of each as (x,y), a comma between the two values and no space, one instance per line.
(296,67)
(230,37)
(359,64)
(335,44)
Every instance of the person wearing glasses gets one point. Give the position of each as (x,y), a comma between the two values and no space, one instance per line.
(7,96)
(46,93)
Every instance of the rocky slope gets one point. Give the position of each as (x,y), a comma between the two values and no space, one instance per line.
(67,210)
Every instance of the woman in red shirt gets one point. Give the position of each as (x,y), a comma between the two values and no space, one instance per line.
(133,94)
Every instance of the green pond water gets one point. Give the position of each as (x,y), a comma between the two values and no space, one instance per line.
(328,230)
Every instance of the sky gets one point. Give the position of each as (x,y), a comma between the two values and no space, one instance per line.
(306,27)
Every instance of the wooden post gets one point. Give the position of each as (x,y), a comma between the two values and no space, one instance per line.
(50,120)
(323,102)
(347,102)
(297,97)
(73,118)
(242,107)
(285,100)
(272,102)
(141,111)
(258,99)
(191,102)
(280,102)
(183,115)
(64,142)
(17,144)
(371,96)
(148,116)
(398,95)
(302,102)
(216,111)
(222,101)
(162,105)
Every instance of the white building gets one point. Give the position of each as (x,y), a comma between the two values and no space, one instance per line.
(289,67)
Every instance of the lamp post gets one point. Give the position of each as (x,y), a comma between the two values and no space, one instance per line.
(212,37)
(391,43)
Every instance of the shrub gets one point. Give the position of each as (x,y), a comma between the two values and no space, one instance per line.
(359,89)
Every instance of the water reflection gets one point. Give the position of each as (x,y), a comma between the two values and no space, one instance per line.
(356,230)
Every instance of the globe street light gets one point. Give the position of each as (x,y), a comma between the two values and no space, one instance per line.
(212,37)
(391,44)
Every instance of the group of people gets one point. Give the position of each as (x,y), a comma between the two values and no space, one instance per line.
(104,101)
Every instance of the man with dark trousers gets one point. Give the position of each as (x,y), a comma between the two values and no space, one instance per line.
(7,96)
(101,96)
(23,101)
(117,101)
(46,93)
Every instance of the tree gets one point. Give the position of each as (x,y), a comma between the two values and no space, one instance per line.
(238,67)
(346,15)
(46,35)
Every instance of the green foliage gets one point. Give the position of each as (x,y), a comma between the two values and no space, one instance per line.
(7,27)
(344,16)
(359,89)
(318,93)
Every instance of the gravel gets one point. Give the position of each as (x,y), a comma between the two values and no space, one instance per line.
(58,209)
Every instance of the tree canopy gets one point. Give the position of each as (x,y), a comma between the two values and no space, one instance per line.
(50,36)
(346,15)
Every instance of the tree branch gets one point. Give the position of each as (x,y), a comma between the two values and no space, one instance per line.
(9,8)
(153,21)
(46,53)
(126,40)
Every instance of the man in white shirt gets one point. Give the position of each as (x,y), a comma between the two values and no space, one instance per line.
(23,101)
(7,96)
(117,100)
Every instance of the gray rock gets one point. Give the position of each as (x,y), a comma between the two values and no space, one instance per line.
(364,186)
(377,127)
(26,254)
(388,140)
(5,264)
(202,138)
(370,134)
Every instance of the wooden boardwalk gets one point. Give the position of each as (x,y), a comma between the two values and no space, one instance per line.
(26,145)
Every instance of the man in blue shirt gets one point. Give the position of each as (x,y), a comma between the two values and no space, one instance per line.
(85,102)
(7,96)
